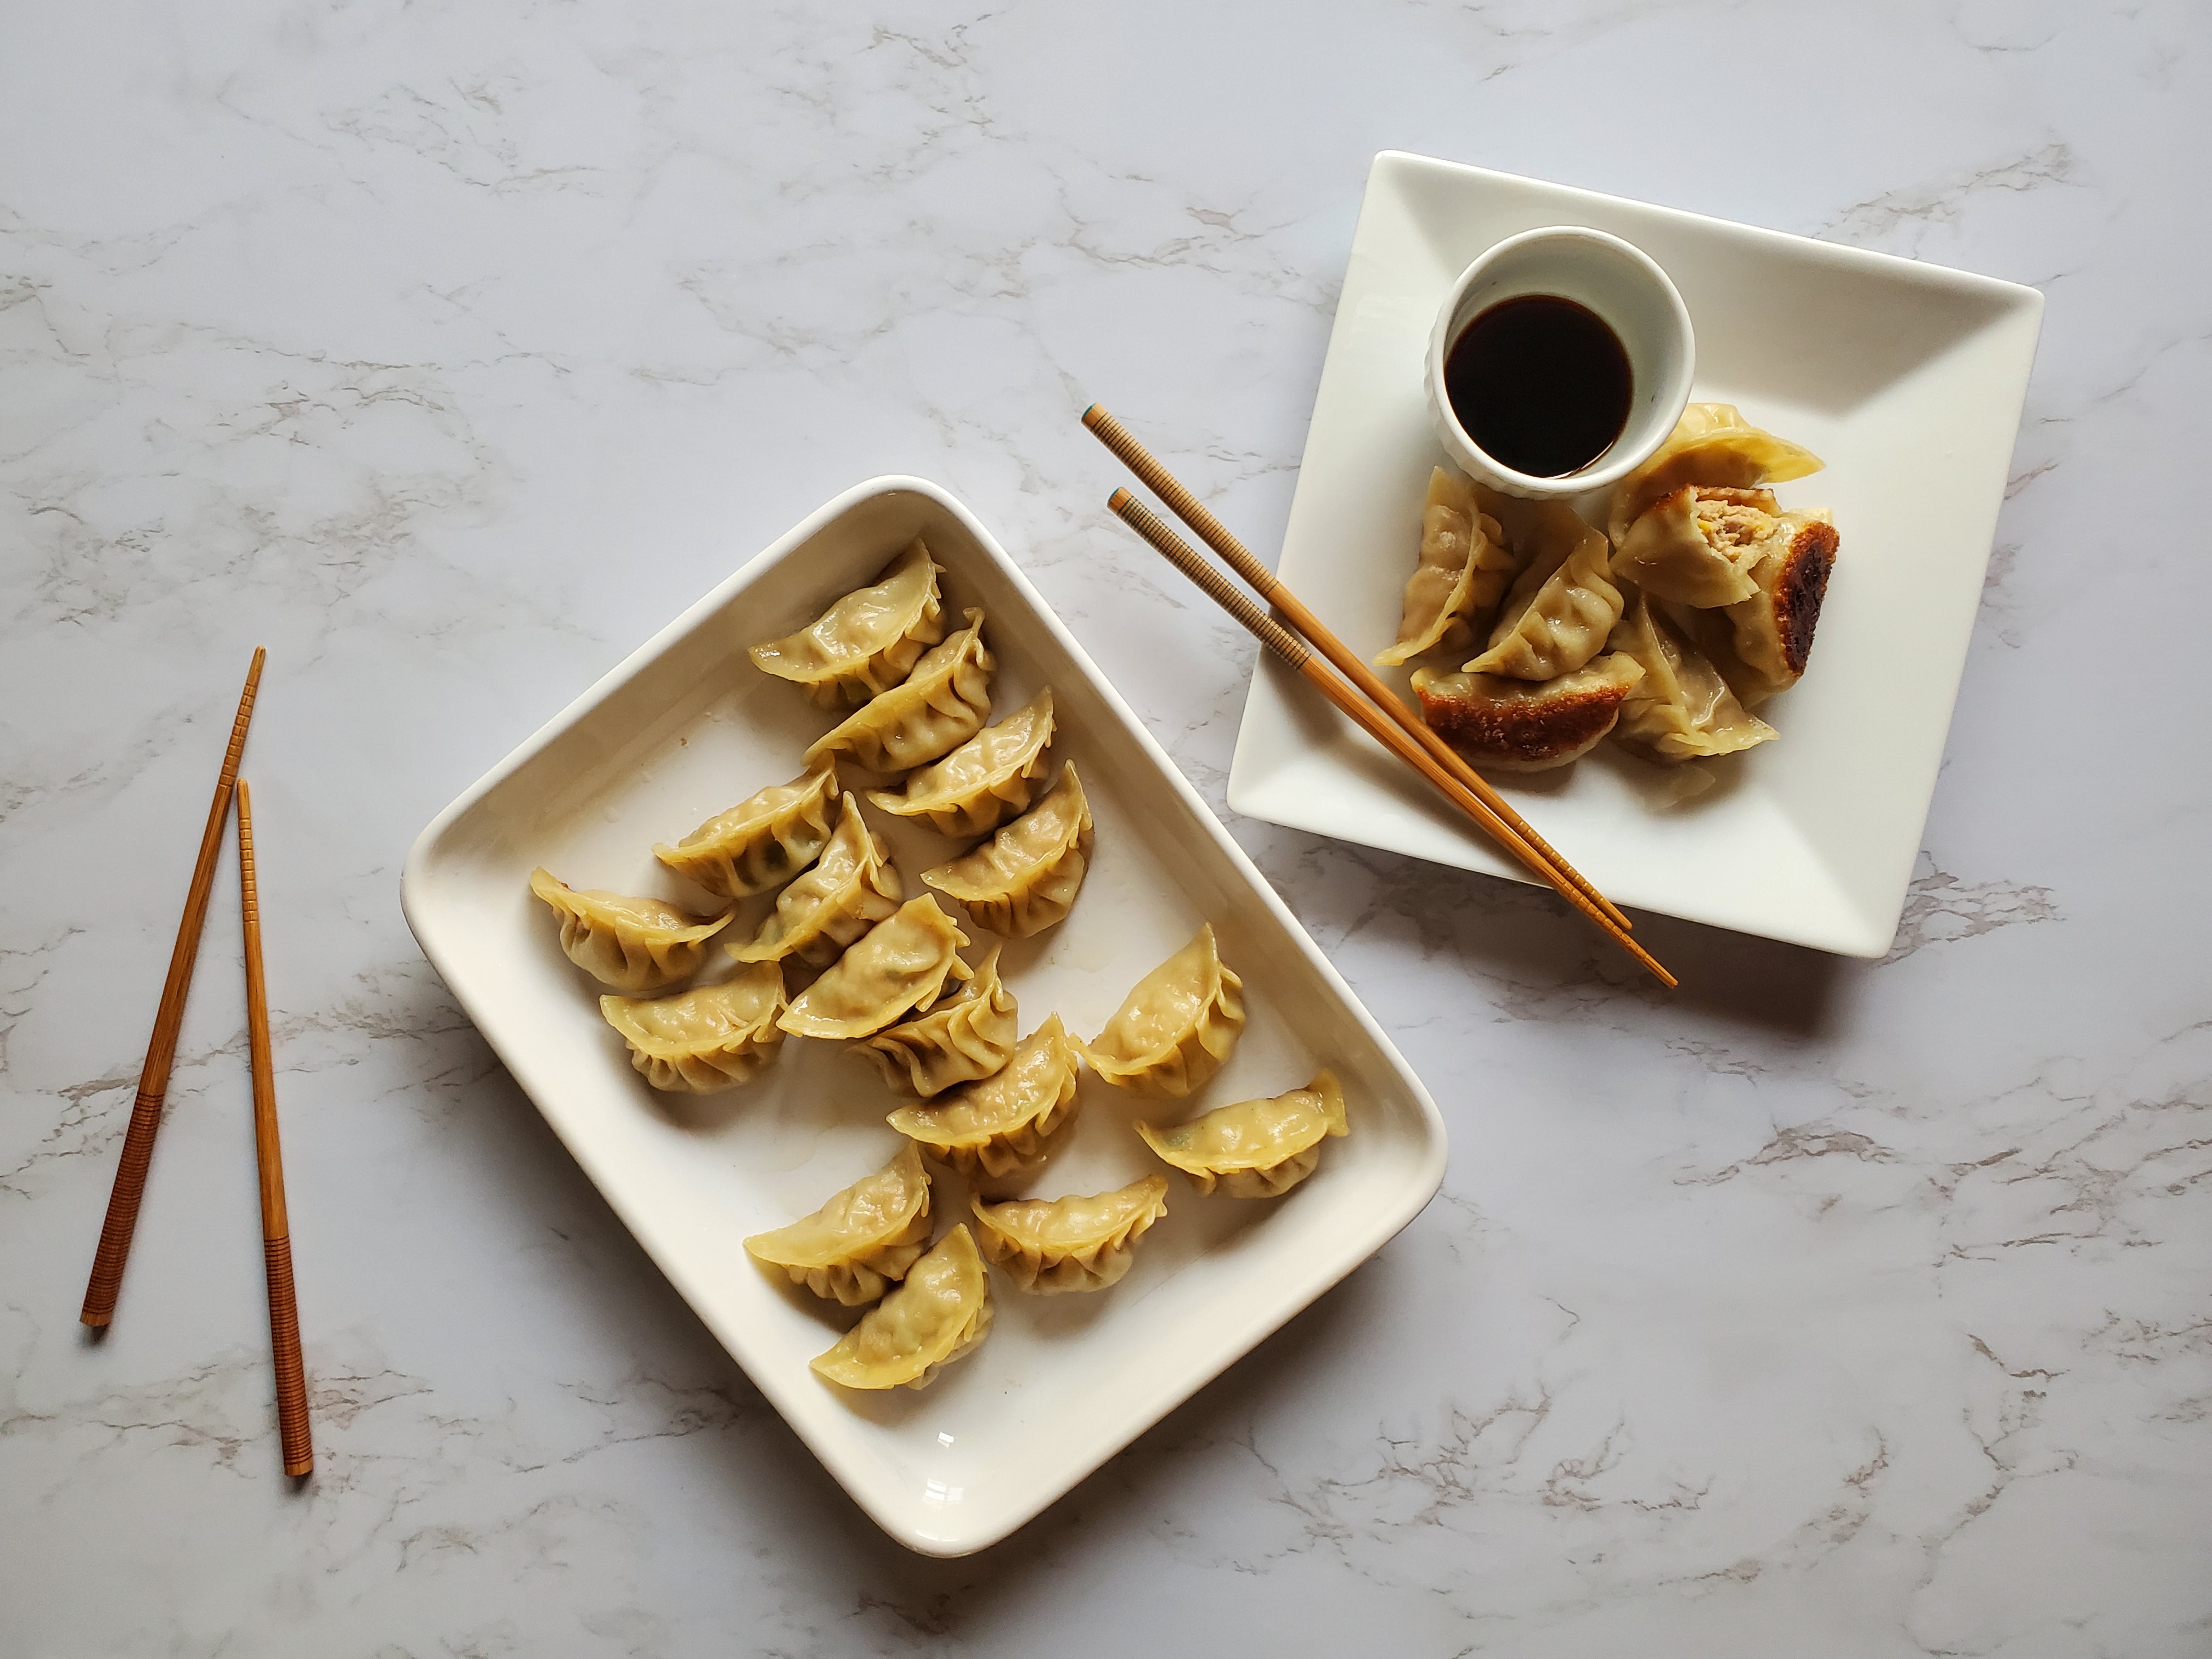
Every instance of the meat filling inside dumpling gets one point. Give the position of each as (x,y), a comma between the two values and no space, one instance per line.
(899,963)
(940,705)
(1697,545)
(1712,443)
(1773,630)
(849,890)
(939,1313)
(867,642)
(706,1039)
(967,1036)
(762,841)
(1176,1028)
(861,1240)
(1462,570)
(1257,1148)
(1025,877)
(1007,1121)
(629,944)
(1049,1245)
(1527,725)
(983,782)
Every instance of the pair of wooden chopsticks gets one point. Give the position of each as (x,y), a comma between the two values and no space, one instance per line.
(1372,706)
(115,1232)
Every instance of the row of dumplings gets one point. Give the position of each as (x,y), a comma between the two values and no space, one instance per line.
(1695,605)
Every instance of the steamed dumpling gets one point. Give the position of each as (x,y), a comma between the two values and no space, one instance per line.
(850,890)
(1176,1028)
(761,842)
(866,642)
(939,1313)
(1682,709)
(1527,725)
(703,1040)
(1025,877)
(629,944)
(1007,1121)
(1075,1244)
(1712,443)
(967,1036)
(939,707)
(983,782)
(861,1239)
(899,963)
(1697,545)
(1462,570)
(1560,608)
(1257,1148)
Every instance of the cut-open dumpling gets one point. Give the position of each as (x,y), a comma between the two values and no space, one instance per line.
(1257,1148)
(1682,709)
(629,944)
(763,841)
(1712,443)
(899,963)
(1697,545)
(866,642)
(1772,632)
(1527,725)
(1560,608)
(1463,567)
(1025,877)
(940,705)
(1075,1244)
(706,1039)
(1176,1028)
(940,1313)
(983,782)
(852,887)
(1005,1122)
(967,1036)
(861,1240)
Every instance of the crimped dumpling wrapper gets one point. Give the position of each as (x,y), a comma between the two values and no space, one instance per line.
(632,945)
(1458,577)
(702,1040)
(1006,1122)
(1682,709)
(1025,878)
(899,963)
(1560,608)
(869,641)
(1697,545)
(1255,1148)
(761,842)
(938,707)
(965,1036)
(1053,1245)
(939,1315)
(850,889)
(1527,725)
(985,782)
(1176,1026)
(861,1240)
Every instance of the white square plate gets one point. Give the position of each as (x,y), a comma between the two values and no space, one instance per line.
(685,728)
(1907,378)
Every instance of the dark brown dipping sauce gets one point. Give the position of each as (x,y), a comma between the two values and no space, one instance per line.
(1540,383)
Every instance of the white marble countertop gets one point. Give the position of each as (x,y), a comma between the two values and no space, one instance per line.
(1826,1308)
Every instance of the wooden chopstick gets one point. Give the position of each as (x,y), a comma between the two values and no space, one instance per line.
(130,1187)
(276,1225)
(1370,719)
(1264,581)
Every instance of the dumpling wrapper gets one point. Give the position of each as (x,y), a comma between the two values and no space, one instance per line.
(850,889)
(1462,569)
(939,1315)
(966,1036)
(899,963)
(1682,709)
(868,641)
(1257,1148)
(1004,1122)
(1697,545)
(861,1240)
(702,1040)
(940,705)
(1772,632)
(633,945)
(1560,608)
(1051,1245)
(983,782)
(761,842)
(1176,1028)
(1025,878)
(1711,444)
(1527,725)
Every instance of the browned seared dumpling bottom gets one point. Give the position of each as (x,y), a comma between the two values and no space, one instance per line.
(1524,726)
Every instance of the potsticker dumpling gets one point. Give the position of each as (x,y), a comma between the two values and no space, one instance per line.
(1462,570)
(899,963)
(1772,632)
(861,1240)
(629,944)
(1560,608)
(761,842)
(1257,1148)
(1025,877)
(1049,1245)
(1712,443)
(1007,1121)
(1697,545)
(967,1036)
(866,642)
(1174,1030)
(1527,725)
(983,782)
(1682,709)
(703,1040)
(939,707)
(939,1313)
(852,887)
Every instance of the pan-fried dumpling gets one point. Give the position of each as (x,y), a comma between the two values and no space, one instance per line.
(1711,444)
(854,887)
(1176,1028)
(1773,630)
(702,1040)
(1682,709)
(939,707)
(862,1239)
(1006,1122)
(1075,1244)
(1025,877)
(629,944)
(1527,725)
(1257,1148)
(866,642)
(1560,608)
(983,782)
(1697,545)
(1463,568)
(899,963)
(763,841)
(967,1034)
(940,1313)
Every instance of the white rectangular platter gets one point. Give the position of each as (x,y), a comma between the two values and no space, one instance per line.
(685,728)
(1907,378)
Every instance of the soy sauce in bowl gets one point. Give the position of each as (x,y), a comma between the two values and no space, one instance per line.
(1541,384)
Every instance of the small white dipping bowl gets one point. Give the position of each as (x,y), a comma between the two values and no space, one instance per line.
(1624,286)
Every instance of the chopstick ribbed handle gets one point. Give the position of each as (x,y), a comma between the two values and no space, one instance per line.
(284,1342)
(1184,505)
(1223,591)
